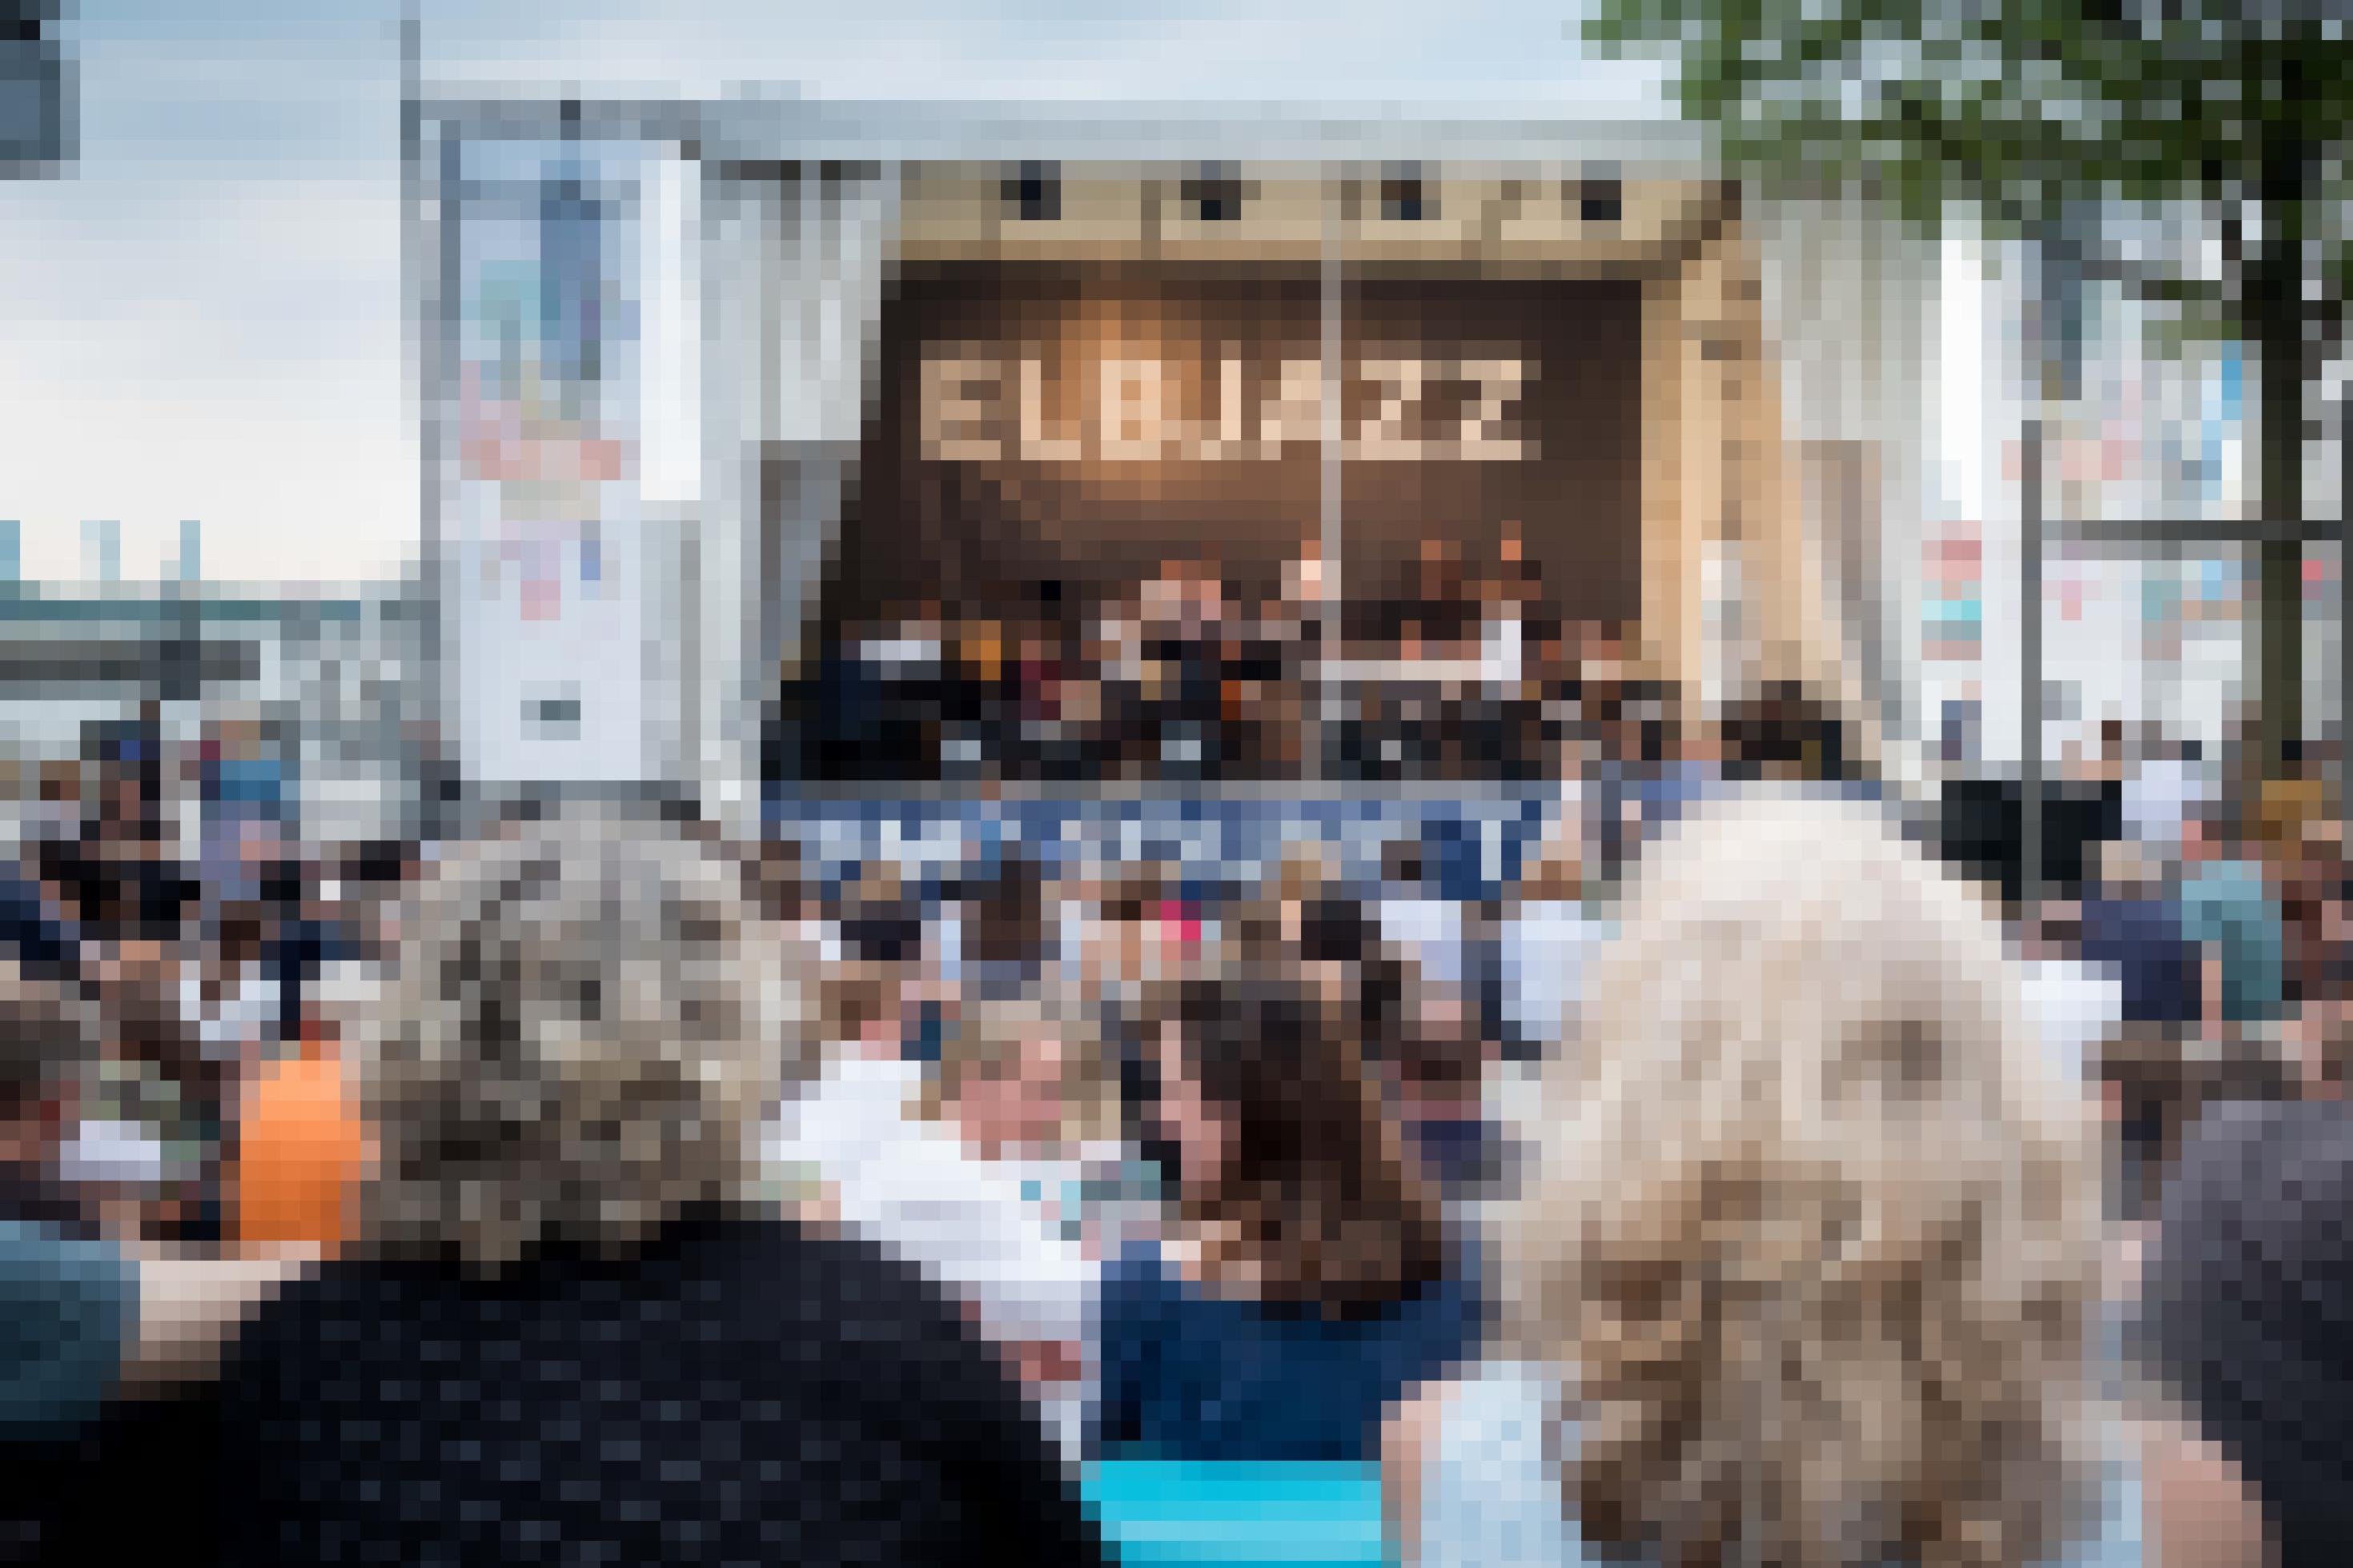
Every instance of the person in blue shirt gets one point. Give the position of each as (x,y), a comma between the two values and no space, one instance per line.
(1310,1278)
(65,1295)
(2230,910)
(2132,930)
(88,1319)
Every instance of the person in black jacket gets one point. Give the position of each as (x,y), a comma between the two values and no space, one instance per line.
(571,1333)
(32,933)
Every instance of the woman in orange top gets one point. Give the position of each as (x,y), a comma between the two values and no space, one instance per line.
(300,1149)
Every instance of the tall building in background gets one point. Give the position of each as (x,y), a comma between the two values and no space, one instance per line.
(12,567)
(101,552)
(188,566)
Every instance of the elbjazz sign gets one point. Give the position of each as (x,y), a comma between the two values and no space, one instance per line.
(980,407)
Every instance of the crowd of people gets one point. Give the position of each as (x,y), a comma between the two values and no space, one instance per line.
(1742,1185)
(202,937)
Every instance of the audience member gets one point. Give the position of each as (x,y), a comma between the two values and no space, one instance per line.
(1004,944)
(86,1316)
(49,1057)
(2307,870)
(1789,735)
(1809,1268)
(299,1151)
(566,1328)
(1439,1076)
(1132,940)
(1417,917)
(2132,930)
(2327,1043)
(2229,910)
(2075,1003)
(1547,928)
(225,997)
(2161,788)
(971,1172)
(34,933)
(1308,1278)
(2247,1312)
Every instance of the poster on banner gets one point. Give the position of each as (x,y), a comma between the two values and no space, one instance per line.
(539,428)
(541,514)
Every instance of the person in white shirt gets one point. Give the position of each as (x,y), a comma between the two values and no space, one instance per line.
(2074,1006)
(1420,924)
(228,1003)
(1546,932)
(2159,792)
(974,1174)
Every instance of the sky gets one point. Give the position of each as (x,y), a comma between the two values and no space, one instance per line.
(203,318)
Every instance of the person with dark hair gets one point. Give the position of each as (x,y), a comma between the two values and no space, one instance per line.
(113,896)
(1004,941)
(775,876)
(1310,1278)
(307,938)
(2246,1311)
(1439,1076)
(32,931)
(2132,928)
(879,923)
(1336,940)
(1785,733)
(47,1050)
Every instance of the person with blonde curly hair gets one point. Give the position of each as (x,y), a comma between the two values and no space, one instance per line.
(572,1324)
(1808,1273)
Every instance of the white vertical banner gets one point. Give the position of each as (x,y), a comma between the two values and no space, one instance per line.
(547,581)
(670,241)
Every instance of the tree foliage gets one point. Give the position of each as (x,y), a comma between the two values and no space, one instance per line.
(2043,115)
(2029,109)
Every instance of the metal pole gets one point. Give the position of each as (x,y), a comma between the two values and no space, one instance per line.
(430,257)
(1329,542)
(2345,605)
(2029,663)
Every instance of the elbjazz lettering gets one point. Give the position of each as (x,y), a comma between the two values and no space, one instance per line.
(982,407)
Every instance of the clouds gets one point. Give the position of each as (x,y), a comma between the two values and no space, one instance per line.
(205,318)
(1475,51)
(226,348)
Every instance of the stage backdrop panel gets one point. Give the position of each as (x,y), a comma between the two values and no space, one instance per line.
(1078,425)
(1475,405)
(1037,425)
